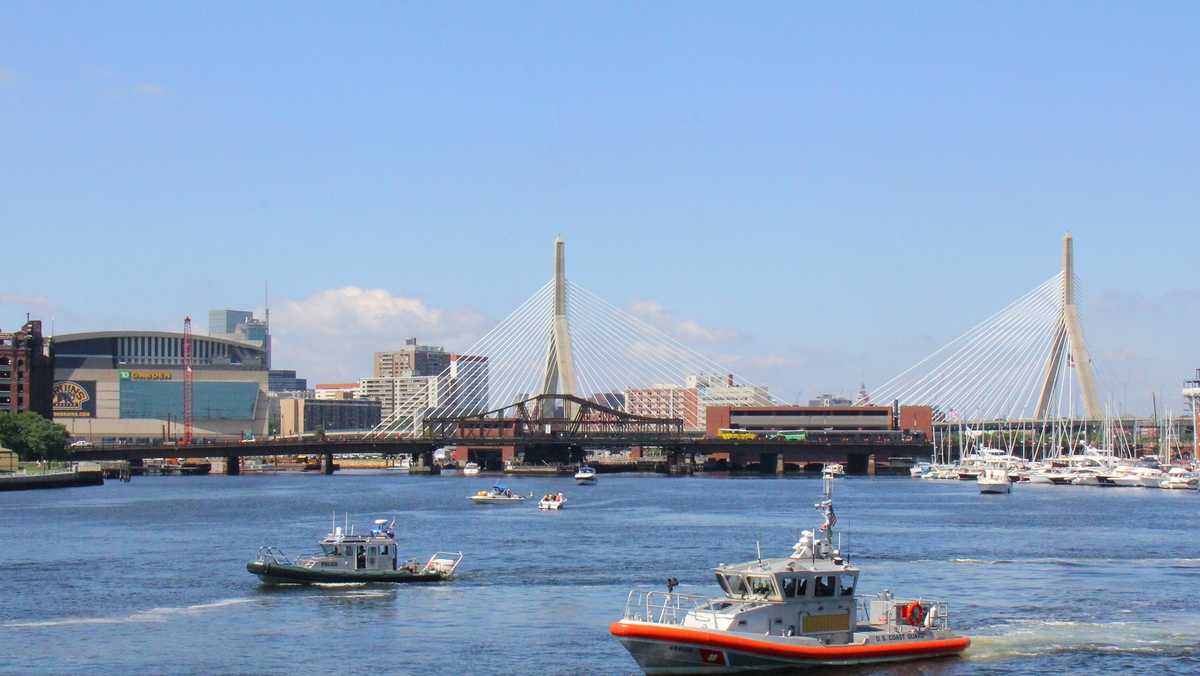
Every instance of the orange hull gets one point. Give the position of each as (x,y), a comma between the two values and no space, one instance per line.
(783,651)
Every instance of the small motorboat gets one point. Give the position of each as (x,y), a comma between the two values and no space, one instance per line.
(497,495)
(471,469)
(919,470)
(585,475)
(348,557)
(552,501)
(799,611)
(994,479)
(1178,478)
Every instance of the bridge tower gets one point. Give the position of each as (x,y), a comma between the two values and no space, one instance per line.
(1068,342)
(559,371)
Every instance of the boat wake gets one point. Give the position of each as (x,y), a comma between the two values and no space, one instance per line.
(1027,638)
(152,615)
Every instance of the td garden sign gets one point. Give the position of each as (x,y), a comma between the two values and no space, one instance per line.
(145,375)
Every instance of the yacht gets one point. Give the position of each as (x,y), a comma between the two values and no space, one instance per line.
(994,479)
(1179,478)
(471,469)
(919,470)
(798,611)
(552,501)
(585,475)
(497,495)
(349,557)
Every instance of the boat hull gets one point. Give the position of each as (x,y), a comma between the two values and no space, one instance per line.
(276,573)
(662,649)
(481,500)
(994,487)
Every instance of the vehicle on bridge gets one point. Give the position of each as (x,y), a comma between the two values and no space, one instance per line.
(347,557)
(731,435)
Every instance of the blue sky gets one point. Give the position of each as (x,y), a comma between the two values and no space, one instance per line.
(835,191)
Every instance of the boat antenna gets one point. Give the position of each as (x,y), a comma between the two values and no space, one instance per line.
(758,547)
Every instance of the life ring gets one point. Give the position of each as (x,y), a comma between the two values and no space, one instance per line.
(913,613)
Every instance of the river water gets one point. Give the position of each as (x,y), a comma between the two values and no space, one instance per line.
(149,577)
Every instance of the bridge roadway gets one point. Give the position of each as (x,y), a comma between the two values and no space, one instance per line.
(852,450)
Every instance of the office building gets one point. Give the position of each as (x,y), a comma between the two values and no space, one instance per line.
(26,371)
(415,393)
(285,381)
(298,416)
(667,401)
(335,390)
(411,360)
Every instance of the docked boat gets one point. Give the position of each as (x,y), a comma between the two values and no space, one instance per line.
(784,613)
(471,469)
(1179,479)
(348,557)
(919,470)
(994,479)
(585,475)
(497,495)
(552,501)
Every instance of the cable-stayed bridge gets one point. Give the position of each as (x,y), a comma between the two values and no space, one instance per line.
(1028,362)
(566,340)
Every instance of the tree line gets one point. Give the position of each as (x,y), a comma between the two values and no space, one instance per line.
(32,436)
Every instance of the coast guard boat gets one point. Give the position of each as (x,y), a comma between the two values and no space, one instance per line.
(786,613)
(347,557)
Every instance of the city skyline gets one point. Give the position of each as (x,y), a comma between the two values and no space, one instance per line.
(731,177)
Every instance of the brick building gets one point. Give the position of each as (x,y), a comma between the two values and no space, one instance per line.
(26,371)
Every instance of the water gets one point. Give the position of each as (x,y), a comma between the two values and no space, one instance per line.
(149,577)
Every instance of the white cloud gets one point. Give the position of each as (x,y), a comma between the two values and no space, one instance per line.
(688,330)
(148,89)
(332,334)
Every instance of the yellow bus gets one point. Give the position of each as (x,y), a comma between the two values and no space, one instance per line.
(736,434)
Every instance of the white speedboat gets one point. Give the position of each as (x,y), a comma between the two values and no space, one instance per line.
(919,470)
(994,479)
(552,501)
(1179,478)
(585,475)
(497,495)
(799,611)
(471,469)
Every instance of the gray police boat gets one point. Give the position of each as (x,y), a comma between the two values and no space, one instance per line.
(349,557)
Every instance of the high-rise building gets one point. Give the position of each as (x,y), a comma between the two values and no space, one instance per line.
(465,389)
(241,325)
(26,371)
(411,360)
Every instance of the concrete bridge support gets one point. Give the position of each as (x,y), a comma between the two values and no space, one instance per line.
(233,465)
(422,463)
(327,466)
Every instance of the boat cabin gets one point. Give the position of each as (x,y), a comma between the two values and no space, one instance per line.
(347,551)
(809,593)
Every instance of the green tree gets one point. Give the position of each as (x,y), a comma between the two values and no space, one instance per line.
(33,437)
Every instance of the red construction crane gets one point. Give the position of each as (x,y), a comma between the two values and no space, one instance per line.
(187,382)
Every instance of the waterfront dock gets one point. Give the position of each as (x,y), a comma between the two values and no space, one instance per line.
(32,478)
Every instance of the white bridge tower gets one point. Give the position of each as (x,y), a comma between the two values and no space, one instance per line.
(1068,342)
(559,371)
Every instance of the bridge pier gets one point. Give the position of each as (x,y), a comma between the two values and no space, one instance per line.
(422,463)
(233,465)
(871,465)
(779,464)
(327,466)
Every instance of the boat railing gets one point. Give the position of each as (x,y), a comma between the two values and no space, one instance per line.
(669,608)
(444,563)
(884,608)
(273,555)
